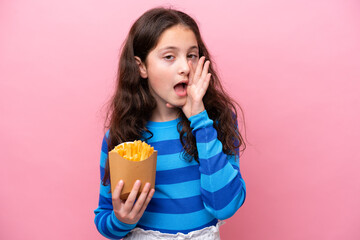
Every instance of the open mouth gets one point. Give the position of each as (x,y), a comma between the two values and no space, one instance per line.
(180,89)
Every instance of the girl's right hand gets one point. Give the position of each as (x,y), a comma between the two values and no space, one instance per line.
(128,212)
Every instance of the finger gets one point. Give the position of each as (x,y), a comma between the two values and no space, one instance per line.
(129,203)
(116,201)
(205,69)
(140,202)
(198,69)
(206,82)
(191,74)
(151,194)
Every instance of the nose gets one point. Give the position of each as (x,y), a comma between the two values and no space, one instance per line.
(184,68)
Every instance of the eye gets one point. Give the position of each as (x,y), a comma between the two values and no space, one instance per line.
(194,56)
(169,57)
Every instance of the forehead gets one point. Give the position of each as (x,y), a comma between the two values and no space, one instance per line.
(176,37)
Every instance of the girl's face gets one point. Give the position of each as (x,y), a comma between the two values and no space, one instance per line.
(167,66)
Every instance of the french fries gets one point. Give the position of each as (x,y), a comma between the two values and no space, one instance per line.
(134,151)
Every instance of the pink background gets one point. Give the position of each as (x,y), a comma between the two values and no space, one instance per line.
(294,66)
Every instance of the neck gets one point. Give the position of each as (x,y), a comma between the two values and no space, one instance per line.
(164,114)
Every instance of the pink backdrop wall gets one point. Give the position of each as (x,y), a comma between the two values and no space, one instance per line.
(294,66)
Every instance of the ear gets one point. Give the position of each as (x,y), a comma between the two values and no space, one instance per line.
(142,67)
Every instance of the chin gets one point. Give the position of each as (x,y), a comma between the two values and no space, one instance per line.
(178,104)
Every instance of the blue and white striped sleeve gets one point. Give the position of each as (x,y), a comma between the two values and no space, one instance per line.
(105,220)
(222,187)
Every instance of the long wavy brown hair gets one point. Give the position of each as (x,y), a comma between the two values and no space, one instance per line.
(132,104)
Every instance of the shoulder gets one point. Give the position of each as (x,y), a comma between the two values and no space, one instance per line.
(104,147)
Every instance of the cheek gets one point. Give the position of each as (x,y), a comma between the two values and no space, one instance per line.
(157,78)
(159,70)
(161,74)
(194,62)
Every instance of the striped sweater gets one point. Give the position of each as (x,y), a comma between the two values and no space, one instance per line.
(188,196)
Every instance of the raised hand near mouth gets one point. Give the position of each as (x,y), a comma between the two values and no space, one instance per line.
(198,83)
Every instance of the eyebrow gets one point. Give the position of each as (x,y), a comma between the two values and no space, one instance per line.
(175,48)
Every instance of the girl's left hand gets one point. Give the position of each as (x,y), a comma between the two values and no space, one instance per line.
(196,88)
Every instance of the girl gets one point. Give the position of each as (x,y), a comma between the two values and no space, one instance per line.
(170,96)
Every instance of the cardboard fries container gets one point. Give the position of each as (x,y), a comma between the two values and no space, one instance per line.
(130,171)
